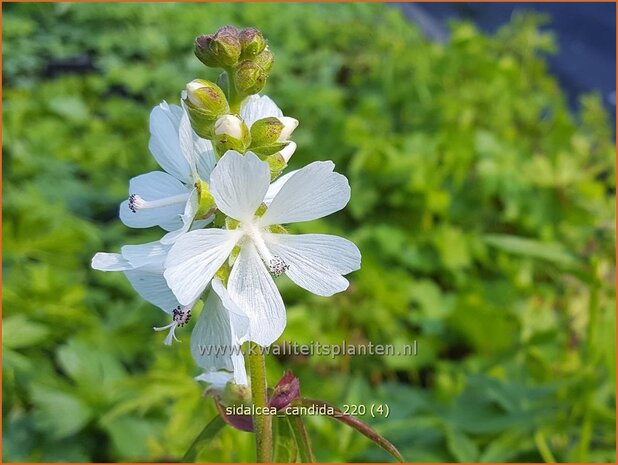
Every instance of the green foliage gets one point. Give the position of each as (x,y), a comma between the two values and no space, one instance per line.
(483,208)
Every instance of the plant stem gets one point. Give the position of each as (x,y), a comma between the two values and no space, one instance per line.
(262,423)
(233,98)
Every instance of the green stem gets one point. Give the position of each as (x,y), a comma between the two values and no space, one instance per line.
(262,423)
(233,98)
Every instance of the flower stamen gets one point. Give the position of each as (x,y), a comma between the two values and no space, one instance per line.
(277,266)
(136,202)
(180,317)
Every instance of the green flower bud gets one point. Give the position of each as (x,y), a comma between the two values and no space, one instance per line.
(219,50)
(252,42)
(249,78)
(236,394)
(265,60)
(207,97)
(277,164)
(267,131)
(231,133)
(206,201)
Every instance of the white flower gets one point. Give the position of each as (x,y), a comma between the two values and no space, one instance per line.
(170,199)
(221,323)
(143,267)
(315,262)
(218,334)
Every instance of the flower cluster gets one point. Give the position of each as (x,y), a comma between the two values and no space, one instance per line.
(223,205)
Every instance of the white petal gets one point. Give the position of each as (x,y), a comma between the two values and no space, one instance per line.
(155,186)
(239,183)
(152,287)
(205,157)
(276,186)
(211,339)
(240,372)
(165,142)
(202,152)
(151,255)
(216,379)
(194,259)
(252,288)
(110,262)
(238,318)
(316,261)
(257,107)
(311,193)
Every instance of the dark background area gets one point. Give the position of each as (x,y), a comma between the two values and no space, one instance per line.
(586,38)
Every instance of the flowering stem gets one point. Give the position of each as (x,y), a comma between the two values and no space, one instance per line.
(262,423)
(233,98)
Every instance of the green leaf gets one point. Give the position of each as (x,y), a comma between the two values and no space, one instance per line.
(18,332)
(461,446)
(301,438)
(550,251)
(284,444)
(208,433)
(58,413)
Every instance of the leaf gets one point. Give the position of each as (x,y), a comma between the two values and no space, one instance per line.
(353,422)
(461,446)
(301,438)
(550,251)
(59,413)
(208,433)
(284,445)
(18,332)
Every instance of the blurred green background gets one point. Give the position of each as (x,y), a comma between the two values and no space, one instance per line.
(484,210)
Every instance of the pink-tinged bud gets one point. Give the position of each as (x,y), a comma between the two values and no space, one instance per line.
(219,50)
(252,42)
(286,390)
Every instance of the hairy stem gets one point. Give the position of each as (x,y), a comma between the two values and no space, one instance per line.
(262,423)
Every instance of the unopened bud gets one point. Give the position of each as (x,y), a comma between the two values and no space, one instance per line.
(265,60)
(249,78)
(207,97)
(219,50)
(206,201)
(252,42)
(231,133)
(276,163)
(267,131)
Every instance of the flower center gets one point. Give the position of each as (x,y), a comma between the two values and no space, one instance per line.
(136,202)
(180,317)
(276,265)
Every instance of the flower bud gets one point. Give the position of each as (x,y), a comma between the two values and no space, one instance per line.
(265,60)
(207,97)
(276,163)
(219,50)
(267,131)
(231,133)
(206,201)
(249,78)
(252,42)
